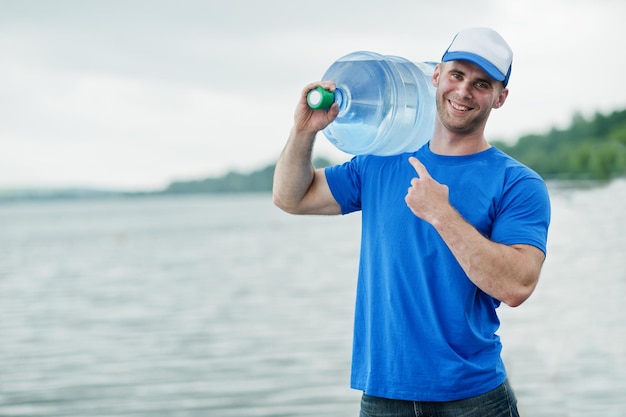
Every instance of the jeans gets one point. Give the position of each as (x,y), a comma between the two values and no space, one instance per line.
(500,402)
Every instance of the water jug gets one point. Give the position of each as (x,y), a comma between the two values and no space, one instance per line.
(386,104)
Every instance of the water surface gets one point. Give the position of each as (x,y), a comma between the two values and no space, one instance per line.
(225,306)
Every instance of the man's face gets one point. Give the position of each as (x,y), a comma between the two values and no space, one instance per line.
(466,95)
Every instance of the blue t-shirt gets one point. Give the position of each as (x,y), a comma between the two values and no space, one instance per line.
(423,331)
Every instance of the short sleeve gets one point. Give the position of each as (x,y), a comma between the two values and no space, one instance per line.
(523,215)
(344,181)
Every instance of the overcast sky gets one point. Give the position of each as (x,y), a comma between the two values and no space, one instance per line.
(134,94)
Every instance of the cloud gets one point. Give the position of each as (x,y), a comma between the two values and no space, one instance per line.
(137,93)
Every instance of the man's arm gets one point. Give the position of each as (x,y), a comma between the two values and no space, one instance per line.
(507,273)
(298,187)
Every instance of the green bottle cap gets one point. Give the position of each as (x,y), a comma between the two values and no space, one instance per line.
(319,98)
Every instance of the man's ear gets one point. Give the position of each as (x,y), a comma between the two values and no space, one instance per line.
(436,73)
(501,98)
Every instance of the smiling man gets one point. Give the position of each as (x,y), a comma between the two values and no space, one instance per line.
(449,232)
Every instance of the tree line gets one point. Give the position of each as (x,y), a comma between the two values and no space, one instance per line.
(592,149)
(588,149)
(233,182)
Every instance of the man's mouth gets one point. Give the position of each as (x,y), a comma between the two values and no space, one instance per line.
(459,107)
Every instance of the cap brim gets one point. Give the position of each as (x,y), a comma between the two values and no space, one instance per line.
(486,66)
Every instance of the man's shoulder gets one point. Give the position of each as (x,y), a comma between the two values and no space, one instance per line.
(514,168)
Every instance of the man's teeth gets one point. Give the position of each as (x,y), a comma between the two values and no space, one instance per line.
(459,107)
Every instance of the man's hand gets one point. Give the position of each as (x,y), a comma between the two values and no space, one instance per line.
(427,198)
(312,121)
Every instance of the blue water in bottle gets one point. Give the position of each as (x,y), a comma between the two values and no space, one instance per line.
(386,104)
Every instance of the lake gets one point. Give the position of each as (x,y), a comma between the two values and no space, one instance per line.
(226,306)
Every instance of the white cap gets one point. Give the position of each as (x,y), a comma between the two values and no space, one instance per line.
(485,48)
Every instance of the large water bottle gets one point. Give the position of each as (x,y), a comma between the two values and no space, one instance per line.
(386,104)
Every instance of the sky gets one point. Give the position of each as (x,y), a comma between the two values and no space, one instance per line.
(134,94)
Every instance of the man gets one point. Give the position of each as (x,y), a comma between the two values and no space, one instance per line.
(448,233)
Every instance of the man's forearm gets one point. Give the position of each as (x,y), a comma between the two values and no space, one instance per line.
(294,172)
(507,273)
